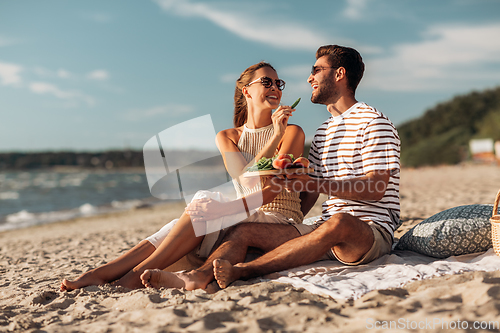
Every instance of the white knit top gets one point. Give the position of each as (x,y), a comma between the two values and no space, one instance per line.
(250,143)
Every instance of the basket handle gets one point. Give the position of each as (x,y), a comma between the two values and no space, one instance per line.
(495,205)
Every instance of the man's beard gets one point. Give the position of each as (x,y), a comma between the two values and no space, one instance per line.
(326,93)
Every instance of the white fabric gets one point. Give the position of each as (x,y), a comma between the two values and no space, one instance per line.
(331,278)
(160,235)
(212,228)
(209,228)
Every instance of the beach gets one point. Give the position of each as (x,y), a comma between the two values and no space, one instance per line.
(34,260)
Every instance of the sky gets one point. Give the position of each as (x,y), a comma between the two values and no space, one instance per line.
(97,75)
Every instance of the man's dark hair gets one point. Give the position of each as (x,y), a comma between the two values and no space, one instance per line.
(349,58)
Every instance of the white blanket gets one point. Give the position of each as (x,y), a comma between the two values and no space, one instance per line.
(331,278)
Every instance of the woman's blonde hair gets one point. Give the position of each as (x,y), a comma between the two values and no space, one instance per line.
(240,103)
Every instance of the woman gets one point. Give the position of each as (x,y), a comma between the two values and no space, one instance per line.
(258,132)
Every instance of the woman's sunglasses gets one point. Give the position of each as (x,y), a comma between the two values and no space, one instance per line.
(267,82)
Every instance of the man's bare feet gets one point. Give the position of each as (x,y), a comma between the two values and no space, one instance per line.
(225,273)
(155,278)
(84,280)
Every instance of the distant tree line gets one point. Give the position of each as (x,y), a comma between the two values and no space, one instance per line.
(97,160)
(35,160)
(442,134)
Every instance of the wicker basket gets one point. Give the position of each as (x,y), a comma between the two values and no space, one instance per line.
(495,226)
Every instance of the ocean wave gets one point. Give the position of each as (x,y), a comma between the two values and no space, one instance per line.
(87,209)
(45,196)
(10,195)
(24,218)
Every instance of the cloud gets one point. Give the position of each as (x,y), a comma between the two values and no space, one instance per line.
(172,110)
(355,9)
(99,75)
(60,73)
(6,41)
(447,57)
(251,24)
(63,74)
(10,74)
(229,77)
(43,88)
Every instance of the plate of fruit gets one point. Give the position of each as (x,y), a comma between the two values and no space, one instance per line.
(282,164)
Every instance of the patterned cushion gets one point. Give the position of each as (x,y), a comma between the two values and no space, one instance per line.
(456,231)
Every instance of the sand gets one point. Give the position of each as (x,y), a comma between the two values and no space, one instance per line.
(33,262)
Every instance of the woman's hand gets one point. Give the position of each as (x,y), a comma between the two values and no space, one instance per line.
(280,119)
(205,210)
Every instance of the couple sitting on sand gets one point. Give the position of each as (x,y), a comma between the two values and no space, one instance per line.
(355,156)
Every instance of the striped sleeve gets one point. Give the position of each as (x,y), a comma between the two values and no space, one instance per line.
(314,160)
(381,146)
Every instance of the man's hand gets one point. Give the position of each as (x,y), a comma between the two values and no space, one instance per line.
(295,182)
(370,187)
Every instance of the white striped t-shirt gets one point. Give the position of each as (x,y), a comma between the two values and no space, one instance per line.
(350,145)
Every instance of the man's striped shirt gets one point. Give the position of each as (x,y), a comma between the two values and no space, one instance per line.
(350,145)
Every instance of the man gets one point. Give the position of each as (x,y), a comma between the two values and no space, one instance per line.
(355,155)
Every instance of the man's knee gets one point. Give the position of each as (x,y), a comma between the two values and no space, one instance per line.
(350,236)
(339,224)
(337,221)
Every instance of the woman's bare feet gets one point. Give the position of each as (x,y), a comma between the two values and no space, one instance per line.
(225,273)
(93,278)
(84,280)
(155,278)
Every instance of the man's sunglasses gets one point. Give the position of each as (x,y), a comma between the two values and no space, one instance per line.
(267,82)
(316,69)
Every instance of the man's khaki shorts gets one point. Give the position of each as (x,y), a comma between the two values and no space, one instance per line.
(382,243)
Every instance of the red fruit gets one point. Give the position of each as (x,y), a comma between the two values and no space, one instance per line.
(281,163)
(285,156)
(301,161)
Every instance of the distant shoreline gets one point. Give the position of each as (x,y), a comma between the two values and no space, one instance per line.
(76,168)
(106,160)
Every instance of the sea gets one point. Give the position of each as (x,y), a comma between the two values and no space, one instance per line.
(30,198)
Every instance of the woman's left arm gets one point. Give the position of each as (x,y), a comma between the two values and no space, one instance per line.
(208,209)
(293,141)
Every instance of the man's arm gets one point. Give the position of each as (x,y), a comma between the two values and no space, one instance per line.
(370,187)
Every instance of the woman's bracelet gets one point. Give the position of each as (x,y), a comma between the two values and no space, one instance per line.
(246,206)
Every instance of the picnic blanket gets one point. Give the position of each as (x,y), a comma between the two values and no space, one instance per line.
(331,278)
